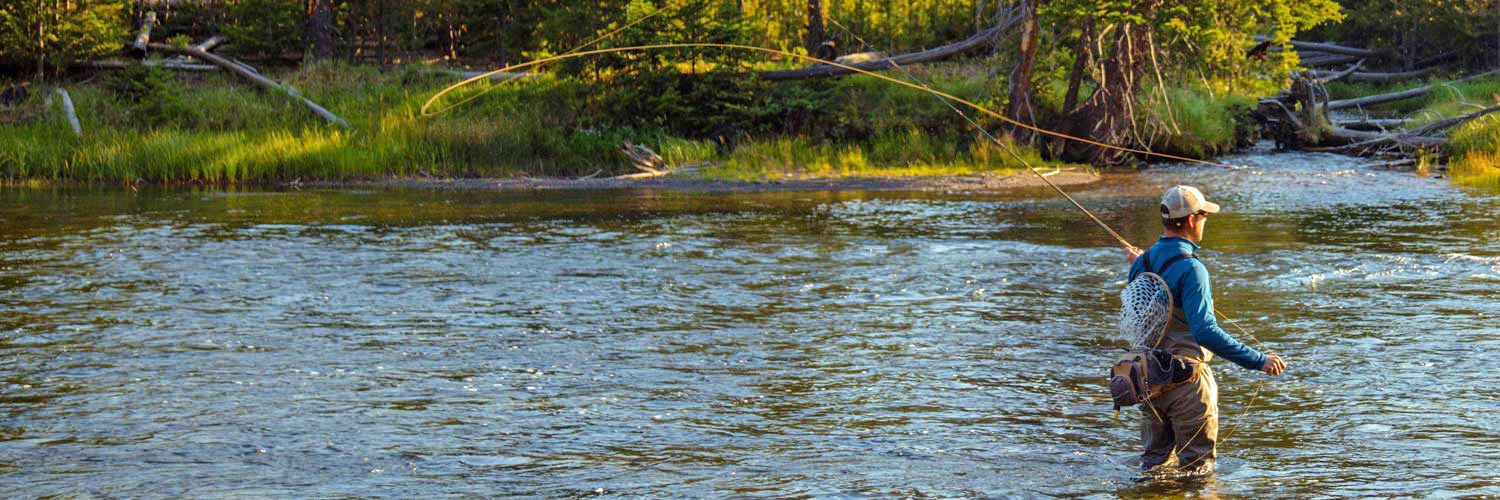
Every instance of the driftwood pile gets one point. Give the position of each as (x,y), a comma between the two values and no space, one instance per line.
(1300,118)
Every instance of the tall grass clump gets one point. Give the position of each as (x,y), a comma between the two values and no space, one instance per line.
(1191,121)
(905,154)
(1475,151)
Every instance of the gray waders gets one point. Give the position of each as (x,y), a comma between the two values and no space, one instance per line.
(1185,420)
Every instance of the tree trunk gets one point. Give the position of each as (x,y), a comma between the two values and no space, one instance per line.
(1075,80)
(321,25)
(816,32)
(1020,108)
(41,40)
(1108,116)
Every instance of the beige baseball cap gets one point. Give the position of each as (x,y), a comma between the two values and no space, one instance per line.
(1182,201)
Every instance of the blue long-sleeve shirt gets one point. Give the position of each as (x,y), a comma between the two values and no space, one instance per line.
(1188,280)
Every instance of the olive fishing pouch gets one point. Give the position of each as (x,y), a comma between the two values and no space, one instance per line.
(1141,374)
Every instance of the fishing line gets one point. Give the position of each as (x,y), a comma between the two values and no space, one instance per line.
(428,112)
(1259,384)
(947,99)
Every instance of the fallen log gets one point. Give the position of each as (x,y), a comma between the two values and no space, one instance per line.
(1374,124)
(143,37)
(67,106)
(254,77)
(979,40)
(1390,165)
(1396,96)
(1329,60)
(1373,77)
(210,43)
(475,74)
(1332,77)
(1447,123)
(1330,48)
(167,64)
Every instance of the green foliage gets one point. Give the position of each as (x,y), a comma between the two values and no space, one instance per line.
(1203,39)
(1417,29)
(54,33)
(691,92)
(886,26)
(266,26)
(149,92)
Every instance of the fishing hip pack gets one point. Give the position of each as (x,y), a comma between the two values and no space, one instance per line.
(1146,371)
(1142,374)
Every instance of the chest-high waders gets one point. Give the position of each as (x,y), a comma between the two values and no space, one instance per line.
(1184,420)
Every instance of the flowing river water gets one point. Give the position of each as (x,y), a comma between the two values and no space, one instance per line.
(479,344)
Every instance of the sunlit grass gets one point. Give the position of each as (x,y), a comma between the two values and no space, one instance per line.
(1189,120)
(910,154)
(1475,151)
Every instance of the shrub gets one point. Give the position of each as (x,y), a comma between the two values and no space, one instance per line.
(149,92)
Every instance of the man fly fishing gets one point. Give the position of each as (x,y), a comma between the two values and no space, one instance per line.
(1182,423)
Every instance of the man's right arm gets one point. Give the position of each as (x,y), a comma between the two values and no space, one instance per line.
(1198,306)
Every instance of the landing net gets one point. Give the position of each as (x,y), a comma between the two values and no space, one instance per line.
(1145,309)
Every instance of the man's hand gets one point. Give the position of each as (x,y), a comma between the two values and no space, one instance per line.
(1131,253)
(1274,365)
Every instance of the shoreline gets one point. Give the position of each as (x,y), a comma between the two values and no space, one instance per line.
(973,183)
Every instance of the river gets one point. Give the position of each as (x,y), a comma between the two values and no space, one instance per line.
(414,343)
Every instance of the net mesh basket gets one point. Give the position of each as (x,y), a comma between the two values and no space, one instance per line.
(1145,309)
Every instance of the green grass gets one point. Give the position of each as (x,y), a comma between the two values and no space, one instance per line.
(910,154)
(1474,147)
(220,130)
(1475,151)
(1188,120)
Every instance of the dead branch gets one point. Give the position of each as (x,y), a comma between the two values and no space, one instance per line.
(254,77)
(1439,126)
(1329,60)
(67,106)
(1396,96)
(1330,48)
(167,64)
(979,40)
(1332,77)
(1375,124)
(1374,77)
(210,43)
(143,37)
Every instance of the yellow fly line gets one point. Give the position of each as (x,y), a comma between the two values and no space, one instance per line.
(428,111)
(949,98)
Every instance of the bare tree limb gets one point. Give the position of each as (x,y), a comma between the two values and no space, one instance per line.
(1372,77)
(248,74)
(1325,47)
(979,40)
(143,37)
(67,106)
(1396,96)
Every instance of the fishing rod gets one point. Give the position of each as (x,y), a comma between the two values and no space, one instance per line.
(427,111)
(1006,147)
(947,98)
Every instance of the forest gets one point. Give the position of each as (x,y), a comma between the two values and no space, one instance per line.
(225,91)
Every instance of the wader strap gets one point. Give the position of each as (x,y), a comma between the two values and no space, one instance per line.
(1181,281)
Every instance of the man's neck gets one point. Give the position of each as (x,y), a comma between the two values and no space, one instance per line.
(1172,234)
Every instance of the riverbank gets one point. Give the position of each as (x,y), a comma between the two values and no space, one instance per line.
(159,127)
(984,182)
(1473,153)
